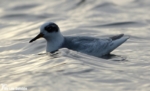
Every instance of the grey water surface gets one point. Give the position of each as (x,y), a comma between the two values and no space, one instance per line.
(26,65)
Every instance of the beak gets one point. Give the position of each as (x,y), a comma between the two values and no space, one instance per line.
(40,35)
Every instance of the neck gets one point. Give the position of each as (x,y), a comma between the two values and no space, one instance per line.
(55,43)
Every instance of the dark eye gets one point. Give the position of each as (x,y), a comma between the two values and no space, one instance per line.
(52,28)
(48,28)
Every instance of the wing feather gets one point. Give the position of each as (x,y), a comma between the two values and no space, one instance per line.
(94,46)
(91,46)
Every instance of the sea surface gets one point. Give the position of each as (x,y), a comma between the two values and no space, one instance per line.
(24,64)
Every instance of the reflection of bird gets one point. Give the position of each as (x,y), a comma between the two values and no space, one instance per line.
(92,46)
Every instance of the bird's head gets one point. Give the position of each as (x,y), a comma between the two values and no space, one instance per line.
(48,30)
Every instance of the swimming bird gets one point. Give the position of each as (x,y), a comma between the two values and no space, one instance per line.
(89,45)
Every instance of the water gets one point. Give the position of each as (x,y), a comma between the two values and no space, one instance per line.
(26,65)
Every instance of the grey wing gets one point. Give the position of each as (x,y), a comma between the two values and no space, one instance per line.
(92,46)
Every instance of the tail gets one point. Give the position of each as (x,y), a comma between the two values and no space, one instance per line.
(117,42)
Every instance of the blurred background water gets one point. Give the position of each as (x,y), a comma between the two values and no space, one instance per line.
(25,65)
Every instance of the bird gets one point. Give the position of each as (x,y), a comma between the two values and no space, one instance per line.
(89,45)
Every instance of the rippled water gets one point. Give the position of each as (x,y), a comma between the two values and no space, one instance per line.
(26,65)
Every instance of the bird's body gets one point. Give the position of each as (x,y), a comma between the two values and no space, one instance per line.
(89,45)
(92,46)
